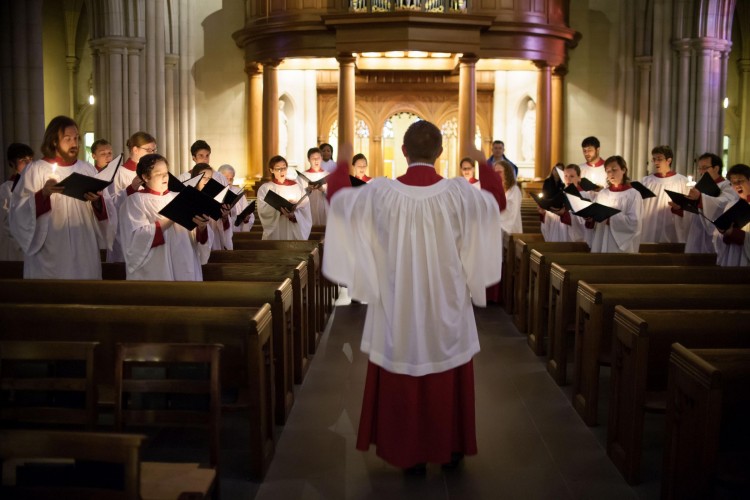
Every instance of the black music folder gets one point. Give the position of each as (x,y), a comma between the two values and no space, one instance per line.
(683,201)
(278,202)
(314,184)
(189,203)
(587,185)
(249,209)
(738,214)
(77,185)
(586,209)
(708,186)
(550,203)
(176,185)
(356,181)
(643,190)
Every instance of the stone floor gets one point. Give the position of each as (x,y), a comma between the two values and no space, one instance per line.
(532,444)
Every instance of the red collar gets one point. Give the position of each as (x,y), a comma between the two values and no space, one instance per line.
(365,178)
(620,188)
(146,190)
(60,162)
(130,165)
(287,182)
(473,180)
(420,175)
(311,171)
(579,188)
(668,174)
(599,163)
(719,179)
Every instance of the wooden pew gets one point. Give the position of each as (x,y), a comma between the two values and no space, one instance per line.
(538,289)
(521,273)
(595,306)
(292,258)
(567,268)
(642,340)
(245,333)
(322,285)
(296,344)
(509,258)
(708,407)
(278,293)
(258,235)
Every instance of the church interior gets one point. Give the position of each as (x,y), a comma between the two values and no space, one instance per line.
(259,78)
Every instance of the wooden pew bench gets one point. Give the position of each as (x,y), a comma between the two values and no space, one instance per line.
(521,273)
(567,269)
(314,307)
(325,288)
(509,253)
(640,359)
(706,450)
(278,293)
(595,306)
(245,333)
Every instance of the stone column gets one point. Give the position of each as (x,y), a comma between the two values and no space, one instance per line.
(255,163)
(467,105)
(682,150)
(270,109)
(346,99)
(543,154)
(639,164)
(742,144)
(375,161)
(72,64)
(703,98)
(558,114)
(170,136)
(723,64)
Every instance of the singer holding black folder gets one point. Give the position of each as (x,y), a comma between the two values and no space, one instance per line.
(283,224)
(59,235)
(733,244)
(621,233)
(155,247)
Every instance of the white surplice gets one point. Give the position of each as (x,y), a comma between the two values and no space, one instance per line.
(510,218)
(9,249)
(595,174)
(732,254)
(64,242)
(118,190)
(318,201)
(623,233)
(553,228)
(660,225)
(277,226)
(178,259)
(700,238)
(419,256)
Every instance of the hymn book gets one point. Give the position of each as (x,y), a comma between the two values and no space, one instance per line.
(356,182)
(314,184)
(643,190)
(188,204)
(683,201)
(738,215)
(77,185)
(278,202)
(550,203)
(175,185)
(245,213)
(586,209)
(587,185)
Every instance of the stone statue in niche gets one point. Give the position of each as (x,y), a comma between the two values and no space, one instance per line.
(528,132)
(283,130)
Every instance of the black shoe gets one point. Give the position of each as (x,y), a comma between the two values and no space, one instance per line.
(456,459)
(416,470)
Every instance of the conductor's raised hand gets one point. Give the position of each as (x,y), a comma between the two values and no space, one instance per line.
(50,187)
(476,155)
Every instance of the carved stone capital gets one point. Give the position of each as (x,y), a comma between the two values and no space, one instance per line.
(117,44)
(744,65)
(469,59)
(644,62)
(345,58)
(171,60)
(560,71)
(271,63)
(253,68)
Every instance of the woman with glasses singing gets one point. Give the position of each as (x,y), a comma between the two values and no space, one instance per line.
(283,223)
(126,182)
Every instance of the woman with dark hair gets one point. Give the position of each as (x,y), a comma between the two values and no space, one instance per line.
(60,235)
(155,247)
(733,245)
(466,166)
(621,233)
(359,163)
(510,218)
(222,228)
(283,224)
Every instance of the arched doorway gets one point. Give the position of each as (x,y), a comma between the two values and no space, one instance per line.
(394,163)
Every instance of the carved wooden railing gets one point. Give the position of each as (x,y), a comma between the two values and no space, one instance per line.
(436,6)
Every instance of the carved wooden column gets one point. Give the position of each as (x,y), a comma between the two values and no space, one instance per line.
(255,163)
(346,100)
(270,109)
(558,114)
(467,104)
(543,153)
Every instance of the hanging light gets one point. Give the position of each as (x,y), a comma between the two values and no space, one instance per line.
(91,99)
(726,102)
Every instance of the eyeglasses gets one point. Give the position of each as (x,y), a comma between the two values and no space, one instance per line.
(149,150)
(280,169)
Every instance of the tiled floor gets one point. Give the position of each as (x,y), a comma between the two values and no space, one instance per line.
(532,444)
